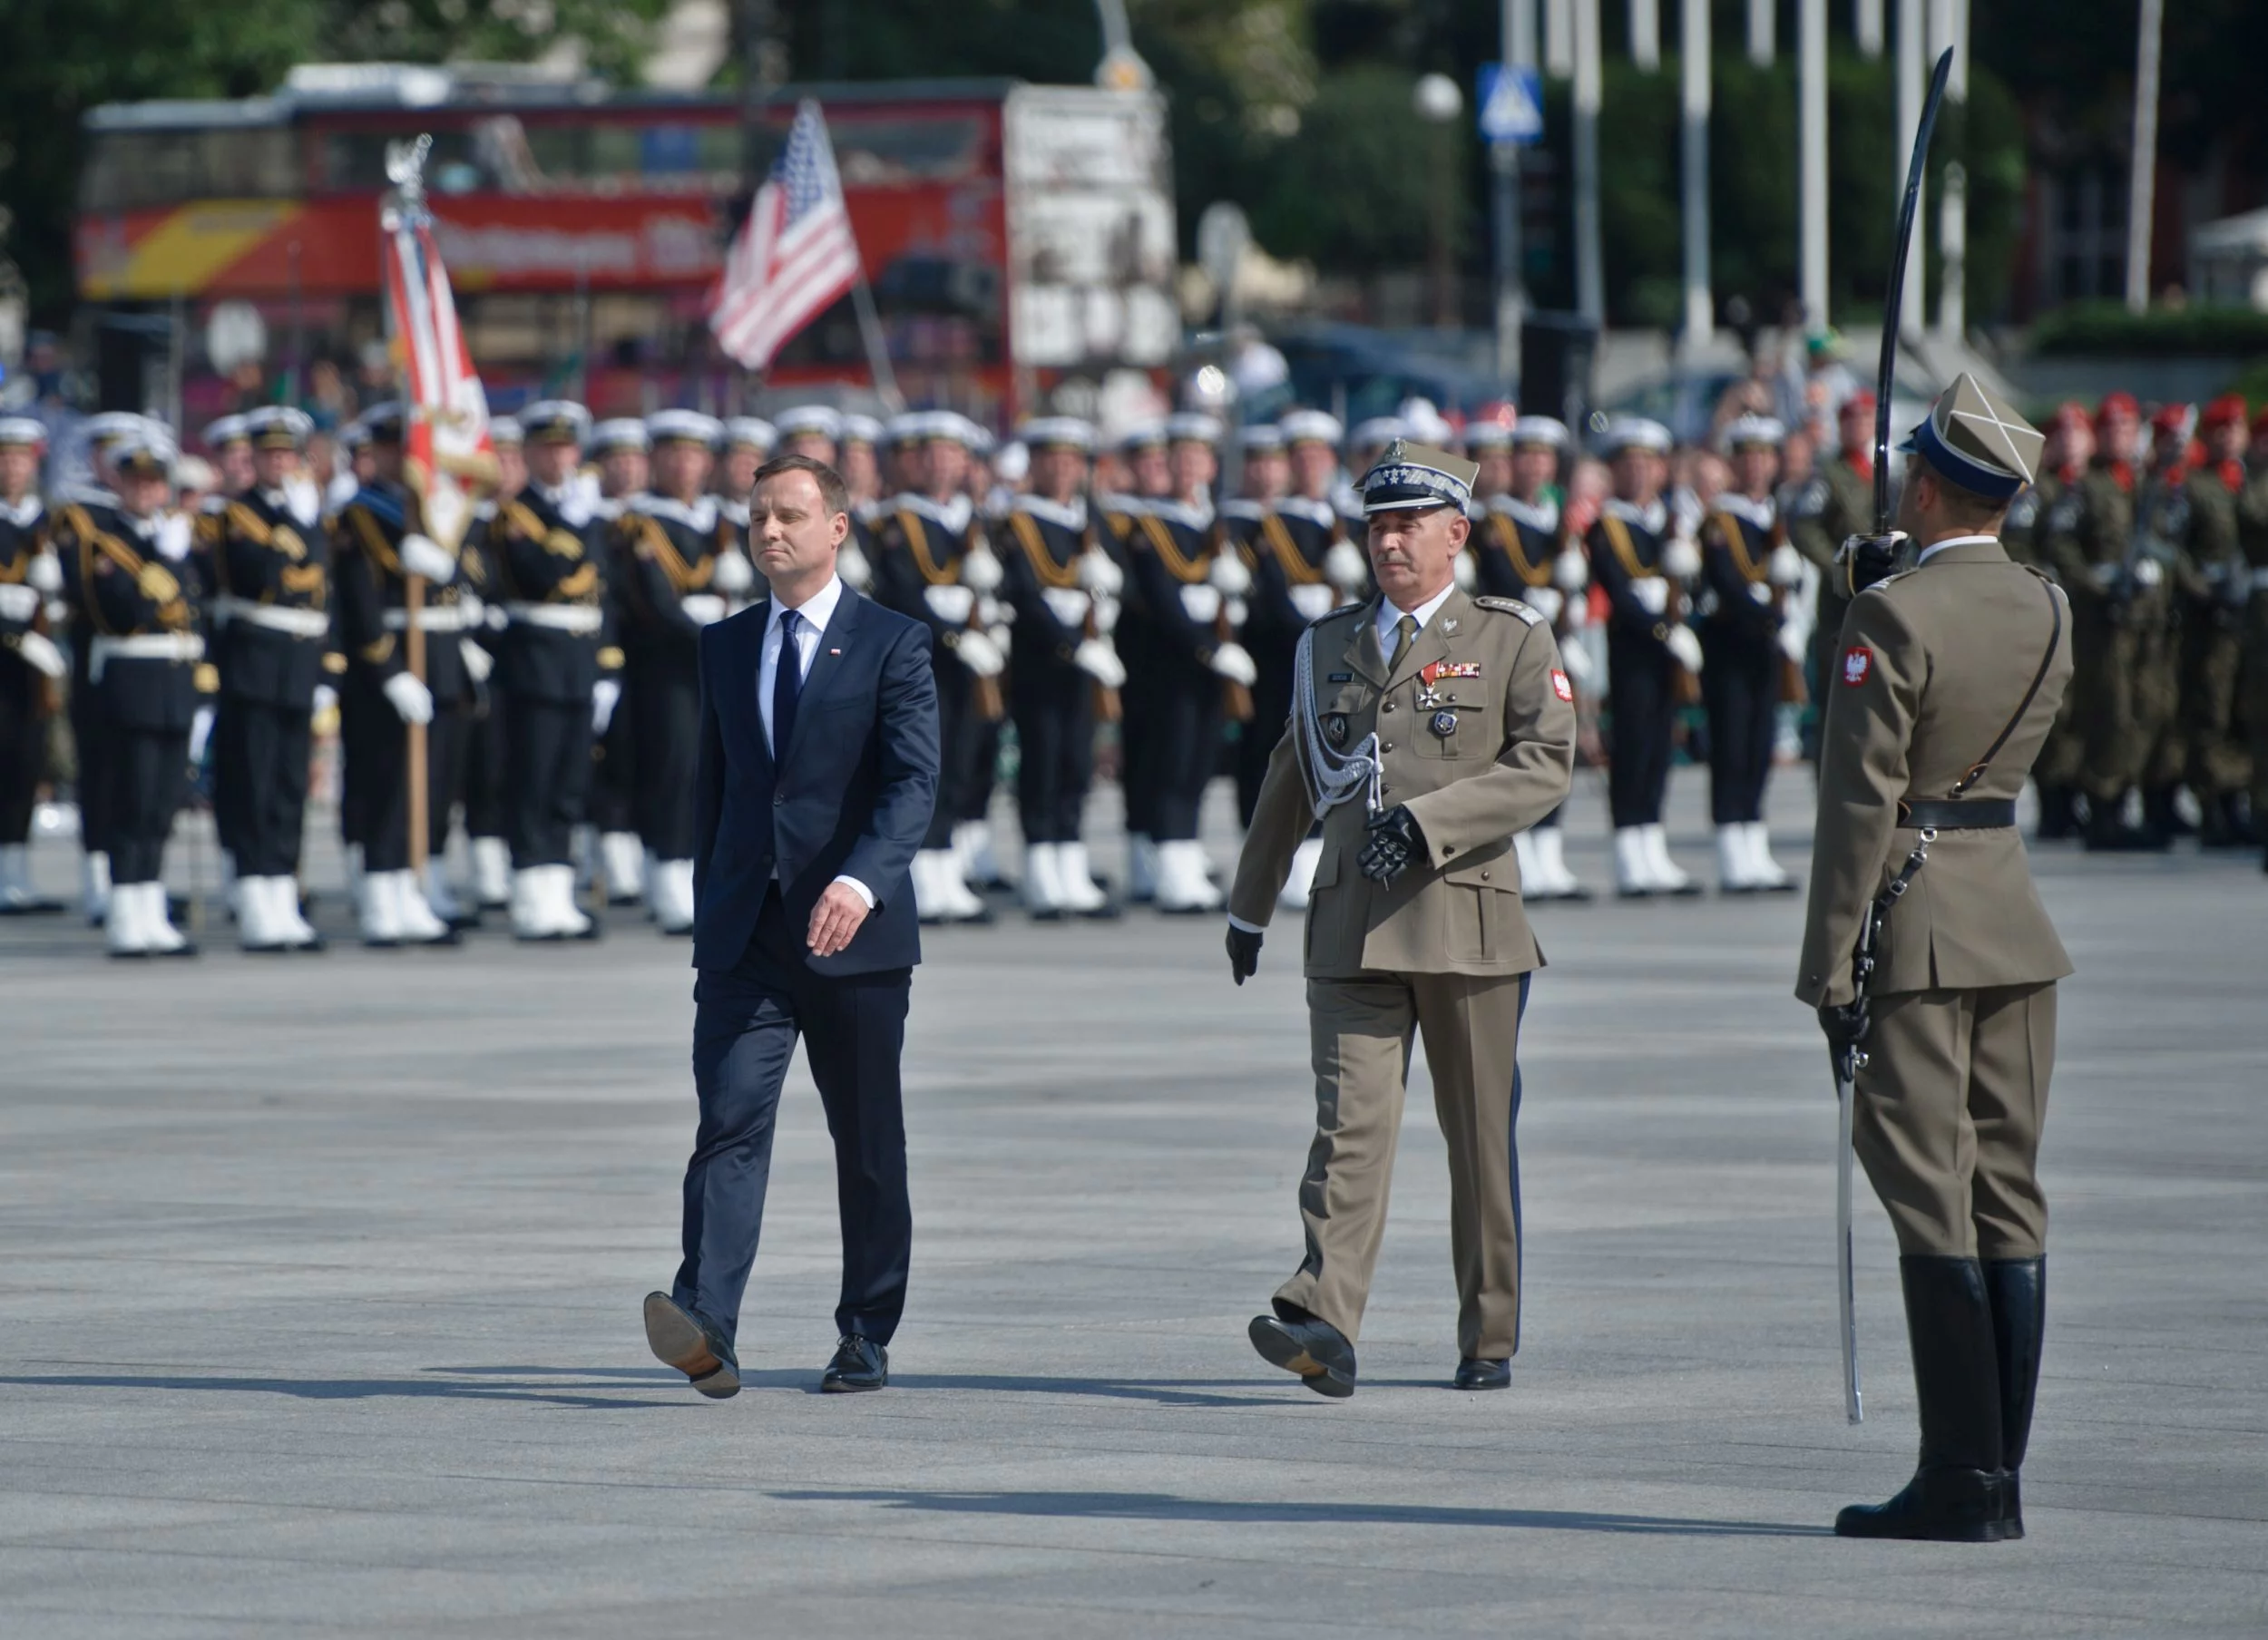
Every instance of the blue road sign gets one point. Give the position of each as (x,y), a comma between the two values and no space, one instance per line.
(1509,108)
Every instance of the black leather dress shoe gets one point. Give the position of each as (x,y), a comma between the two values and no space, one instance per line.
(1475,1373)
(692,1344)
(859,1364)
(1315,1350)
(1937,1505)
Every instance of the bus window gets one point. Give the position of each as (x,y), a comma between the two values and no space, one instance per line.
(141,169)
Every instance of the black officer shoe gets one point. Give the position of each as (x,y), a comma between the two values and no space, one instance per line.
(1475,1373)
(1959,1493)
(1315,1350)
(691,1343)
(859,1364)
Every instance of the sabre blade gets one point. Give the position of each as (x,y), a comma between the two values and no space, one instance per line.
(1893,303)
(1846,1295)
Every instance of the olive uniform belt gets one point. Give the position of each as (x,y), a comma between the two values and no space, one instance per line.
(1958,815)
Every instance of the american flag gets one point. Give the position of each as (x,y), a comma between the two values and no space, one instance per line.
(793,256)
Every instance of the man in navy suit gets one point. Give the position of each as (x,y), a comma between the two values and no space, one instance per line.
(816,774)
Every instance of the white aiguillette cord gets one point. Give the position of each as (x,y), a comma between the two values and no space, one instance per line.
(1337,775)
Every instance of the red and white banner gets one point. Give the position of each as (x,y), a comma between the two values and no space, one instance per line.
(446,451)
(794,258)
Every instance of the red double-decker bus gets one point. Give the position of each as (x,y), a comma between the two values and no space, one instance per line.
(1013,235)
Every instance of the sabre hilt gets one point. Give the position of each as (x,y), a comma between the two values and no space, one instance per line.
(1869,559)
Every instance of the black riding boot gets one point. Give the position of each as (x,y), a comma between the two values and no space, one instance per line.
(2018,1288)
(1959,1492)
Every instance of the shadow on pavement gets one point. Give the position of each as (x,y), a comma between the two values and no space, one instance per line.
(356,1388)
(1164,1506)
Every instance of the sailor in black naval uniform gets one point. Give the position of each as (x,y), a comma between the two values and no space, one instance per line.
(137,601)
(32,667)
(1063,591)
(624,455)
(377,544)
(271,625)
(681,564)
(1750,574)
(90,739)
(486,824)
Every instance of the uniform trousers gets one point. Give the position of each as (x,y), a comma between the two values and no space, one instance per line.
(968,747)
(2214,741)
(1137,714)
(745,1023)
(1360,1033)
(260,751)
(1054,707)
(1642,697)
(1948,1116)
(615,773)
(22,745)
(145,772)
(487,757)
(1180,748)
(90,742)
(381,747)
(547,776)
(1271,711)
(664,704)
(1740,688)
(2255,697)
(2119,658)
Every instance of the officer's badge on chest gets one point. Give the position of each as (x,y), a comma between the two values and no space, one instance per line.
(1429,698)
(1335,729)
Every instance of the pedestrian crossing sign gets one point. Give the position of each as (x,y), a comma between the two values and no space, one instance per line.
(1511,105)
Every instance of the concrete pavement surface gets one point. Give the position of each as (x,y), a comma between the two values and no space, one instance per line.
(320,1285)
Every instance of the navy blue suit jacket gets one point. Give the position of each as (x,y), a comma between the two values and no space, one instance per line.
(851,798)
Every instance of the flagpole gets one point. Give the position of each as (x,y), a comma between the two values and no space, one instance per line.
(409,178)
(877,344)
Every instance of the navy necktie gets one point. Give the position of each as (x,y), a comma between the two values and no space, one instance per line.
(786,686)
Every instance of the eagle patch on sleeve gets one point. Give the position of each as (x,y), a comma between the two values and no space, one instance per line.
(1560,686)
(1858,665)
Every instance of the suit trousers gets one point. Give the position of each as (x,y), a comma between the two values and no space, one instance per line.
(745,1023)
(547,776)
(260,751)
(146,772)
(1948,1117)
(1740,686)
(1055,746)
(1642,699)
(22,745)
(1361,1031)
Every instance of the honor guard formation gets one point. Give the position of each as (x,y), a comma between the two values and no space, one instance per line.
(1113,605)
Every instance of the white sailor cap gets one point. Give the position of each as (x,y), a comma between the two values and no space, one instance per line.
(226,430)
(1310,428)
(1752,432)
(275,427)
(1376,433)
(823,421)
(1490,434)
(750,433)
(1547,432)
(22,432)
(1977,441)
(504,430)
(977,436)
(907,427)
(146,453)
(1141,435)
(381,423)
(1421,419)
(109,426)
(1058,432)
(1417,475)
(684,427)
(1012,462)
(620,432)
(1261,438)
(353,434)
(1634,433)
(859,430)
(555,421)
(1193,427)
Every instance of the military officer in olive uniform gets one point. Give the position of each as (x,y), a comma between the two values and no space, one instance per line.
(271,617)
(2064,460)
(1948,680)
(1429,727)
(1838,502)
(2251,539)
(32,667)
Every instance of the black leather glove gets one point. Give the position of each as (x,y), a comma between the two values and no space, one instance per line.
(1244,953)
(1845,1025)
(1394,841)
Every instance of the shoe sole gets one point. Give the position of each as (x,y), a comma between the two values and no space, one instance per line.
(1279,1349)
(1493,1384)
(677,1340)
(837,1386)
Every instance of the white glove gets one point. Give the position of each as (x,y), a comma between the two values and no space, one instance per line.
(41,654)
(1681,559)
(1002,636)
(1685,648)
(1760,594)
(1200,603)
(980,654)
(422,555)
(2105,575)
(1576,662)
(475,612)
(1461,571)
(478,661)
(950,604)
(702,609)
(1651,593)
(733,575)
(2148,572)
(199,733)
(326,699)
(605,696)
(46,574)
(1545,600)
(1100,661)
(1069,605)
(979,570)
(1228,575)
(1794,640)
(410,697)
(1106,614)
(1098,572)
(176,532)
(18,602)
(1787,566)
(851,565)
(1313,602)
(1571,571)
(1232,663)
(1346,567)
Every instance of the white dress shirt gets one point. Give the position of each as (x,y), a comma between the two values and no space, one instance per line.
(813,613)
(1932,549)
(1389,617)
